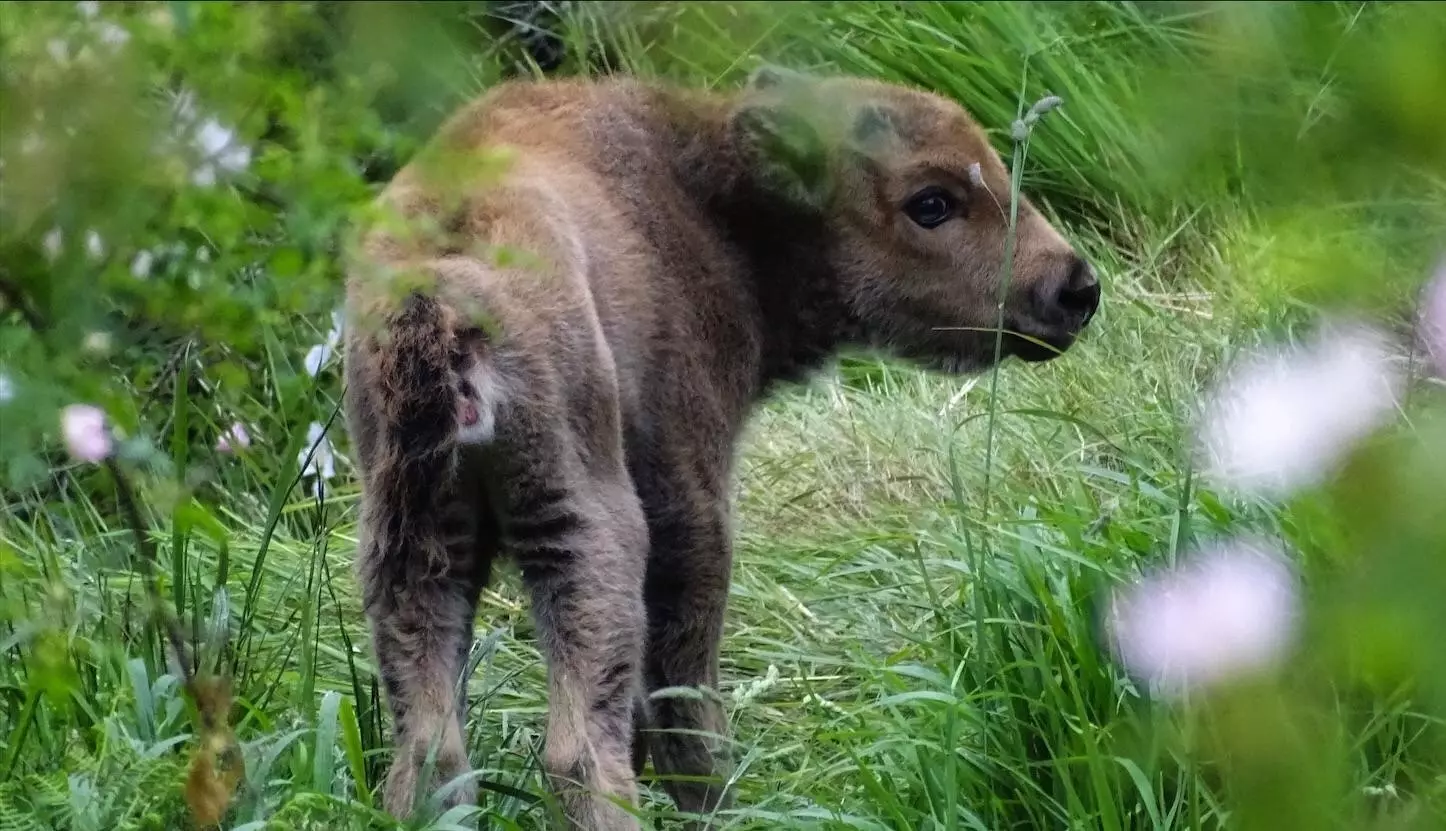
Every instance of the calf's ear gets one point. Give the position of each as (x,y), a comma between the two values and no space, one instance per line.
(786,147)
(771,77)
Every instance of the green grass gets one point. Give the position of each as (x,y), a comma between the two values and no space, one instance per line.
(913,640)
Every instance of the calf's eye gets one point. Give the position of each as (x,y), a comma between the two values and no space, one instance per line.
(931,207)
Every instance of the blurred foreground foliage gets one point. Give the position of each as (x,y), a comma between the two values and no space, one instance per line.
(178,180)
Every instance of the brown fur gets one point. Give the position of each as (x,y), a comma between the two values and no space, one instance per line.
(578,410)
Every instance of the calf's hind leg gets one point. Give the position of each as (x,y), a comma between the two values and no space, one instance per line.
(687,594)
(574,525)
(420,595)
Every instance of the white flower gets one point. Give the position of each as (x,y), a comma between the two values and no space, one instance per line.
(1433,318)
(317,357)
(213,138)
(216,143)
(1282,420)
(88,8)
(141,265)
(86,435)
(222,154)
(323,459)
(96,343)
(7,388)
(235,159)
(59,50)
(1231,610)
(321,354)
(112,34)
(94,245)
(235,438)
(52,243)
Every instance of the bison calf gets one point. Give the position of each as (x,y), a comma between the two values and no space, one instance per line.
(552,359)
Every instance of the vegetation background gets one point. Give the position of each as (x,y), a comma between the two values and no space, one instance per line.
(915,638)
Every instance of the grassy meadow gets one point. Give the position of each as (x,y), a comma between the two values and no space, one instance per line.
(923,563)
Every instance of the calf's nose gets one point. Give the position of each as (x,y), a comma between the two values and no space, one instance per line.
(1073,300)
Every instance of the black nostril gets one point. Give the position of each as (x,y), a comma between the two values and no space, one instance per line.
(1081,302)
(1080,296)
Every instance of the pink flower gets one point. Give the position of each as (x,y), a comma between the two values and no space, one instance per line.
(1284,418)
(1230,611)
(1433,318)
(86,435)
(235,438)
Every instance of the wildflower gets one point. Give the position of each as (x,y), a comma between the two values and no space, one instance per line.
(141,265)
(97,343)
(7,389)
(235,438)
(59,50)
(1230,611)
(87,436)
(317,357)
(94,245)
(222,154)
(321,354)
(88,8)
(322,464)
(1282,420)
(112,34)
(212,138)
(1433,318)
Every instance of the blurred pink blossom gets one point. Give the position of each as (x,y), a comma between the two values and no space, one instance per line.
(235,438)
(1282,419)
(86,435)
(1433,318)
(1230,610)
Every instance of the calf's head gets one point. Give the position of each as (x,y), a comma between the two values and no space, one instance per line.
(916,207)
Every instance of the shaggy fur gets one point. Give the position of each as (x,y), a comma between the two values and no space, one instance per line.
(554,362)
